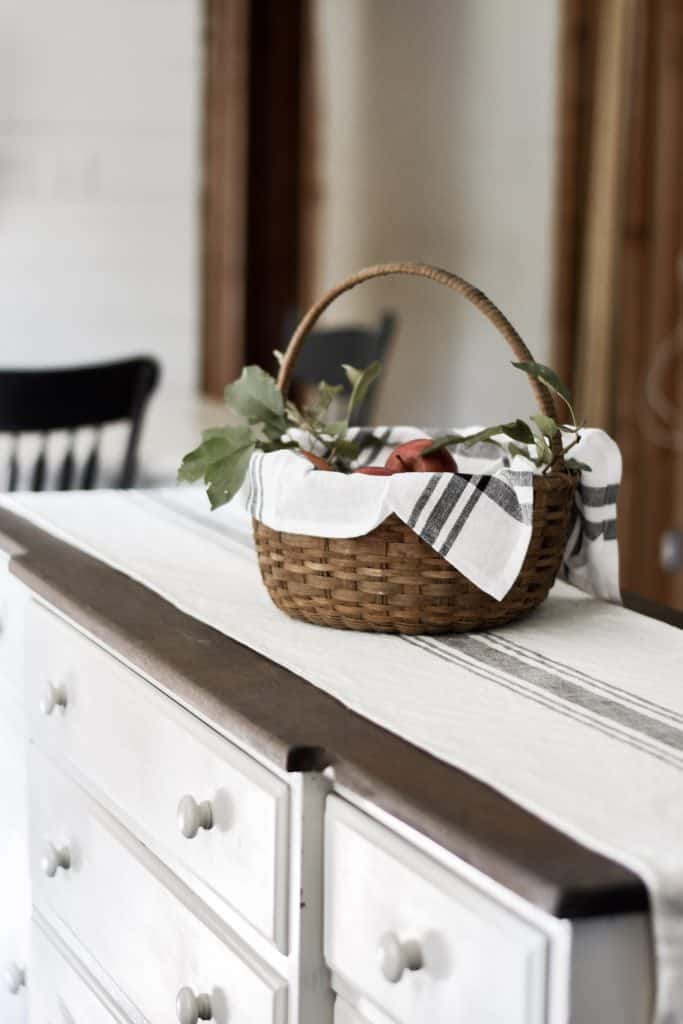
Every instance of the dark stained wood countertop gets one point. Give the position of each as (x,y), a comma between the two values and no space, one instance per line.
(300,728)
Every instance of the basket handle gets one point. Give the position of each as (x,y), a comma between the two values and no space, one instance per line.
(456,284)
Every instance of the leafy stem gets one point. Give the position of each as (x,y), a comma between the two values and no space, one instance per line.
(222,459)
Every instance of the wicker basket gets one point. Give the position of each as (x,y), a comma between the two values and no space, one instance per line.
(390,580)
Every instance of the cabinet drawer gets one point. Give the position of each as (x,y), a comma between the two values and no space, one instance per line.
(145,929)
(15,895)
(143,754)
(61,989)
(390,908)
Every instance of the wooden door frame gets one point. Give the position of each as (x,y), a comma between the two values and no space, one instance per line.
(225,170)
(255,83)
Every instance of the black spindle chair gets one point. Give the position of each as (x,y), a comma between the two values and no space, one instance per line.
(72,398)
(325,349)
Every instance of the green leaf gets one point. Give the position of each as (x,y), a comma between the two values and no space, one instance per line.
(575,466)
(256,397)
(327,392)
(515,449)
(226,476)
(467,440)
(518,430)
(213,432)
(360,381)
(324,397)
(272,432)
(546,424)
(192,467)
(445,441)
(294,415)
(347,449)
(221,445)
(548,376)
(335,428)
(545,453)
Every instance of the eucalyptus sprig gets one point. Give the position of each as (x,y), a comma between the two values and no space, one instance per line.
(222,459)
(537,436)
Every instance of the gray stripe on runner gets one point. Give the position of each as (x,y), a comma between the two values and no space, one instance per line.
(605,727)
(567,690)
(584,677)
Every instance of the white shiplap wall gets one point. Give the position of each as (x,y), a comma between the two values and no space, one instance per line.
(99,182)
(437,139)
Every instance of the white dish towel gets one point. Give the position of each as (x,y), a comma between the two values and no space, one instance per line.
(479,519)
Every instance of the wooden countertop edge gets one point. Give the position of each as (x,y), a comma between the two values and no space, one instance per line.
(299,727)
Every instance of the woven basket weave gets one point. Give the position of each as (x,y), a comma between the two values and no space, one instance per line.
(390,580)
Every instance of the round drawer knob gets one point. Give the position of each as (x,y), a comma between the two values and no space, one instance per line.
(51,698)
(193,816)
(190,1008)
(15,978)
(53,859)
(395,957)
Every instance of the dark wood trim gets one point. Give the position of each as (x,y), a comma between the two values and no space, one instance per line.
(224,192)
(309,178)
(274,190)
(635,303)
(576,58)
(299,727)
(636,603)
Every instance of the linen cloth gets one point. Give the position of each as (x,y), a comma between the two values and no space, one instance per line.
(479,519)
(575,712)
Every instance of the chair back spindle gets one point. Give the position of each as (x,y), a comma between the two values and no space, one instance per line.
(39,468)
(13,466)
(66,472)
(91,464)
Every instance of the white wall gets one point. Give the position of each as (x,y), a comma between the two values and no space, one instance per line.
(99,179)
(437,133)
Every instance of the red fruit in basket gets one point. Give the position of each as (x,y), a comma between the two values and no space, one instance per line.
(374,471)
(408,458)
(317,461)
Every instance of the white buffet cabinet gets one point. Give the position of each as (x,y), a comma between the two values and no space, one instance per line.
(152,870)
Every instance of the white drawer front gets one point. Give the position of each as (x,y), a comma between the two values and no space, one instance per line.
(15,896)
(144,754)
(13,995)
(344,1014)
(61,991)
(389,907)
(13,601)
(139,923)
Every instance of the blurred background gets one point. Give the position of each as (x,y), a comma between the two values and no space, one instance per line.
(181,178)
